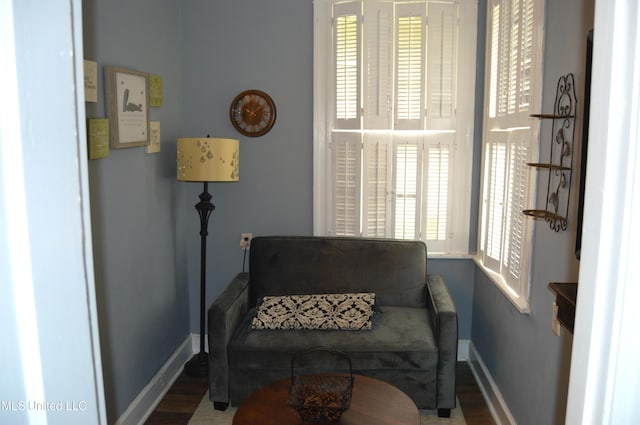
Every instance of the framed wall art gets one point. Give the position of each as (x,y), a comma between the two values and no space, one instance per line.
(127,96)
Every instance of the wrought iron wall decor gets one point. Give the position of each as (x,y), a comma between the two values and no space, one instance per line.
(560,162)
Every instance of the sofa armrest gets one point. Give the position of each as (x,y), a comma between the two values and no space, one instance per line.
(224,315)
(444,319)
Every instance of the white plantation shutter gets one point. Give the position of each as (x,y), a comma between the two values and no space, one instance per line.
(377,159)
(410,65)
(514,52)
(347,65)
(494,49)
(512,29)
(442,39)
(507,181)
(437,205)
(504,51)
(378,51)
(495,194)
(346,183)
(514,75)
(407,190)
(386,95)
(526,65)
(516,223)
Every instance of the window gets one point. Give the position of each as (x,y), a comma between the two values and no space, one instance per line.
(394,91)
(513,90)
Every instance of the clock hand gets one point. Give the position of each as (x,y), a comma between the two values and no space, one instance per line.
(249,112)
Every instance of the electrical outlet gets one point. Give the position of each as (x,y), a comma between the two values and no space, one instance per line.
(555,323)
(245,241)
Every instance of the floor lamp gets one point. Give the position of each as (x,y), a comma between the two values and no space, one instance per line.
(205,160)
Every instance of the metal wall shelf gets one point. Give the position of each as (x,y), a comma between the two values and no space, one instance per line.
(556,209)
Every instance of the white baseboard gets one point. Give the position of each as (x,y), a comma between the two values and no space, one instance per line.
(195,343)
(492,395)
(463,350)
(142,406)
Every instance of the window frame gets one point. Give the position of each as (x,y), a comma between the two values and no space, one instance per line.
(462,148)
(506,124)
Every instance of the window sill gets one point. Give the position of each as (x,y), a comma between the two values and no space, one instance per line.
(450,256)
(521,304)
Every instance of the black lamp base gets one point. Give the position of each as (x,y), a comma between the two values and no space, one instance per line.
(198,366)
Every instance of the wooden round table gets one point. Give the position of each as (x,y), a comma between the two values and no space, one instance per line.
(373,402)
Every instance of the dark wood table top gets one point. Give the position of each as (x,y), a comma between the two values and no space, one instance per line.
(373,402)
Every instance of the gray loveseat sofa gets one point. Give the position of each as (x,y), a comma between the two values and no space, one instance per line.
(412,344)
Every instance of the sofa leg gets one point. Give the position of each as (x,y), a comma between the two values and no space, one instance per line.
(220,405)
(444,413)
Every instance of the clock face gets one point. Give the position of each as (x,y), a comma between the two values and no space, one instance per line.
(252,113)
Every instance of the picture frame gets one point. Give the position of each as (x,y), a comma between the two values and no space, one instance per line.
(127,97)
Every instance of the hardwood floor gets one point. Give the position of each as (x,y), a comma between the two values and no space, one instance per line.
(474,408)
(180,402)
(185,394)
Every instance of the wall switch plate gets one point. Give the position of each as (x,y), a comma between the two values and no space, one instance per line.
(555,323)
(245,241)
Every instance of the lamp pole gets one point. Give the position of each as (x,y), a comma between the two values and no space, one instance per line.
(198,366)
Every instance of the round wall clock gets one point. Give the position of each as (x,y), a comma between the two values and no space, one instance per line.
(252,113)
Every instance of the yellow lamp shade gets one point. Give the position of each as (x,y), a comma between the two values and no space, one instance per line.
(208,159)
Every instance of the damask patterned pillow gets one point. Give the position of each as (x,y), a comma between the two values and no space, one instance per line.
(322,311)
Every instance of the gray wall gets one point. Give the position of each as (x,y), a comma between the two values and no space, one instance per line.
(143,307)
(529,364)
(228,47)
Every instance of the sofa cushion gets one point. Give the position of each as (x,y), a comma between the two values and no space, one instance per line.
(395,270)
(401,338)
(318,311)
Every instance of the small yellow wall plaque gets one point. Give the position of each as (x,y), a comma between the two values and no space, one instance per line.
(155,90)
(98,138)
(154,137)
(90,81)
